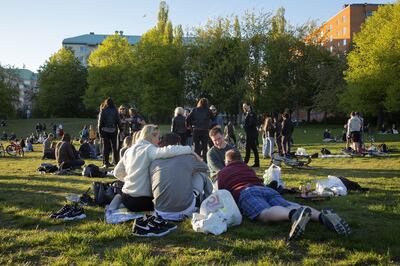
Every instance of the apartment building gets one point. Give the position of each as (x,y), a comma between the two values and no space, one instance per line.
(336,34)
(83,45)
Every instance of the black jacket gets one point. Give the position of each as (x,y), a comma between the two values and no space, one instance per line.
(287,128)
(199,118)
(108,118)
(250,123)
(178,124)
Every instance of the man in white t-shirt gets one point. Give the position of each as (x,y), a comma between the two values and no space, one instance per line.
(354,131)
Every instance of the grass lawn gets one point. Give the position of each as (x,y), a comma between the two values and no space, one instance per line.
(29,237)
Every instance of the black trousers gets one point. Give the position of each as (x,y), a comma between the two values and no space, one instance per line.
(200,139)
(110,144)
(137,204)
(183,138)
(251,144)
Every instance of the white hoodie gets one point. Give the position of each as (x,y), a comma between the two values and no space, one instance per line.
(133,167)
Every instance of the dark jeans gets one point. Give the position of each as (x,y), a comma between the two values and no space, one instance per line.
(137,204)
(49,155)
(110,144)
(286,144)
(251,144)
(279,144)
(200,139)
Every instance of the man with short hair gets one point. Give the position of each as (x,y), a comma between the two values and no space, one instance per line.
(258,202)
(216,155)
(250,126)
(178,182)
(287,131)
(354,130)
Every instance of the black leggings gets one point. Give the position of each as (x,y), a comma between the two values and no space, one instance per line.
(200,139)
(137,204)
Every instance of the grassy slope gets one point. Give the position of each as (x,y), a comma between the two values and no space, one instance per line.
(28,236)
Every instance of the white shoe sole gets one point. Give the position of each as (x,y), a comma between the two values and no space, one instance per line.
(79,217)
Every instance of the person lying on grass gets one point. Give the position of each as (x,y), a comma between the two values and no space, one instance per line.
(258,202)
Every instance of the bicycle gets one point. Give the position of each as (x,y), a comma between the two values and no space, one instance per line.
(15,149)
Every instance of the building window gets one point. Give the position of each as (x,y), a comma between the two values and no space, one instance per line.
(330,38)
(330,27)
(368,13)
(344,42)
(331,49)
(344,19)
(344,30)
(322,33)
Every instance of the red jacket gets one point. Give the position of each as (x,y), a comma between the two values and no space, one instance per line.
(237,176)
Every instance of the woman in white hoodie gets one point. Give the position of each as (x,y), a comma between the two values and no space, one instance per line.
(133,168)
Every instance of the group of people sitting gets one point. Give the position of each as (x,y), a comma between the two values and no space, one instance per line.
(168,181)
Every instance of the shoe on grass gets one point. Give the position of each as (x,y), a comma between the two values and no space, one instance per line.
(163,223)
(299,221)
(146,228)
(331,220)
(75,213)
(66,208)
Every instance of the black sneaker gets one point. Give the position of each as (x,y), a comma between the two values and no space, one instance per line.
(162,223)
(299,221)
(75,213)
(334,222)
(66,208)
(144,227)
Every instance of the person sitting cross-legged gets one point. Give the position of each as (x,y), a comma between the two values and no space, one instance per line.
(133,170)
(178,182)
(48,149)
(258,202)
(66,154)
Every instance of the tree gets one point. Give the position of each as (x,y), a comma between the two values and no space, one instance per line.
(159,57)
(372,77)
(111,73)
(9,93)
(216,65)
(62,82)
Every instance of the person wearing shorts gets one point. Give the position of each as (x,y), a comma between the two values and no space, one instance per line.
(264,204)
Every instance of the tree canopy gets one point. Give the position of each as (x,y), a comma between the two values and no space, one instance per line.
(8,92)
(62,82)
(373,75)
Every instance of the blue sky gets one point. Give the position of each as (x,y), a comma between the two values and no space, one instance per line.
(31,31)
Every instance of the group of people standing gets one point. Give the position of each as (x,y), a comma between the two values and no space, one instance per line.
(114,126)
(280,131)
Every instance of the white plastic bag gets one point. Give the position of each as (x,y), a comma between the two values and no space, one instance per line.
(333,184)
(211,223)
(301,151)
(219,207)
(273,173)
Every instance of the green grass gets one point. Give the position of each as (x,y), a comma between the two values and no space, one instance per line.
(29,237)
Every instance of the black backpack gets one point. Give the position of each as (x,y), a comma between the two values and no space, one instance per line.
(351,185)
(325,151)
(93,171)
(105,192)
(47,168)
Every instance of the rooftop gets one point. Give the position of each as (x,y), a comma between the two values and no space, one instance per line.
(92,39)
(25,74)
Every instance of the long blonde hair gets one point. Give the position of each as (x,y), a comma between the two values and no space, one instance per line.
(148,131)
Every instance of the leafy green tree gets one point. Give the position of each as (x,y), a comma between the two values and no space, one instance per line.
(159,57)
(62,82)
(216,65)
(111,73)
(373,74)
(8,92)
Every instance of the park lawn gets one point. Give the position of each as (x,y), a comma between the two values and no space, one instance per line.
(28,236)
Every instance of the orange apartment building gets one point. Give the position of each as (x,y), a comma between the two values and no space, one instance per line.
(336,34)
